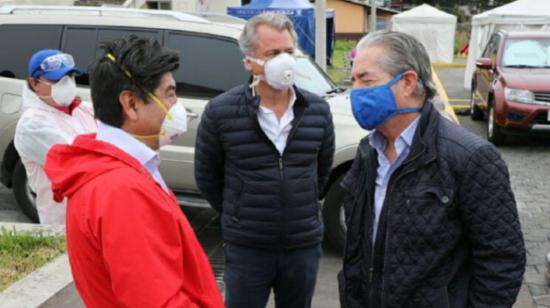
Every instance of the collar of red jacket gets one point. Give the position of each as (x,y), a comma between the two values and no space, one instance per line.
(69,109)
(70,166)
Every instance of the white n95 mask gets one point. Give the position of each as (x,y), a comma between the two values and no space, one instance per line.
(63,91)
(174,124)
(279,70)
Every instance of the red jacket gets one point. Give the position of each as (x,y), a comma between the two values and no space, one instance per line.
(128,242)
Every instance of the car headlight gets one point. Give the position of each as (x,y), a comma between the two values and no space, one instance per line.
(520,96)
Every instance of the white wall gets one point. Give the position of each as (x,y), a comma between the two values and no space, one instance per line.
(183,5)
(37,2)
(213,6)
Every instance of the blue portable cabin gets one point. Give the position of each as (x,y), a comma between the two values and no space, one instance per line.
(302,14)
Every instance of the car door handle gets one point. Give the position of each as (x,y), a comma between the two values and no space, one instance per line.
(191,114)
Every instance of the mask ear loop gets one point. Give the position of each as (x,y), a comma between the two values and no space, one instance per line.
(404,110)
(255,78)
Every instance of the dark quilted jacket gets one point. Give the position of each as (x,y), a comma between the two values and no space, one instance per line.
(266,200)
(449,234)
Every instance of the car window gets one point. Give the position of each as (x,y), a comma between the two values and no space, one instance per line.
(492,47)
(107,34)
(20,42)
(209,65)
(526,52)
(82,42)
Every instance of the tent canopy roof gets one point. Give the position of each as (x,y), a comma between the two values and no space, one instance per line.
(279,4)
(289,7)
(520,11)
(425,13)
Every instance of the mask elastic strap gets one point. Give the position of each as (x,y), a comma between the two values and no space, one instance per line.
(45,82)
(395,79)
(161,104)
(408,110)
(161,134)
(257,61)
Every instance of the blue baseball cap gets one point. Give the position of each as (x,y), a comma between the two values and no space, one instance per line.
(53,64)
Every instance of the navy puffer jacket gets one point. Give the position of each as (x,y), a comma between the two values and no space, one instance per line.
(266,200)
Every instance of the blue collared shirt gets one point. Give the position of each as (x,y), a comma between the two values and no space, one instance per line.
(143,154)
(385,168)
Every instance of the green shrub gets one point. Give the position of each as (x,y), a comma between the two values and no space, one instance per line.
(23,252)
(340,69)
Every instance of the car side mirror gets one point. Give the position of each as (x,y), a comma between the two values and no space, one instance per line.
(484,63)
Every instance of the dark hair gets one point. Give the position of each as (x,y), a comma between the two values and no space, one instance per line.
(146,61)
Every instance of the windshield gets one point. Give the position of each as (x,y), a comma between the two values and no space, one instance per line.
(309,77)
(531,53)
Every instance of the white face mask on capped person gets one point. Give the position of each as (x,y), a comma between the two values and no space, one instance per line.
(63,91)
(279,71)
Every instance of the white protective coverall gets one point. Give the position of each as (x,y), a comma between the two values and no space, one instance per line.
(39,128)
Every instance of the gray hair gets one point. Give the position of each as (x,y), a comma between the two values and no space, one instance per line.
(279,22)
(403,53)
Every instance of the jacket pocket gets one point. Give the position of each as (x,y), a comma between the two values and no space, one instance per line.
(237,202)
(318,211)
(429,297)
(435,194)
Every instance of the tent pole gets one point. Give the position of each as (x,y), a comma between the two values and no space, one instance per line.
(372,27)
(321,34)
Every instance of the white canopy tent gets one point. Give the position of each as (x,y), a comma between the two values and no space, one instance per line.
(434,28)
(518,15)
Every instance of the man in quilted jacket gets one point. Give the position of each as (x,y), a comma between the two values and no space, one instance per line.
(432,219)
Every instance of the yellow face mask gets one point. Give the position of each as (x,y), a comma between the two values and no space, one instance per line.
(166,111)
(155,98)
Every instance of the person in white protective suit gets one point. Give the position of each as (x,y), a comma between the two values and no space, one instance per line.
(52,114)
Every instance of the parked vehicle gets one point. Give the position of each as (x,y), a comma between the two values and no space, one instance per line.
(211,63)
(511,85)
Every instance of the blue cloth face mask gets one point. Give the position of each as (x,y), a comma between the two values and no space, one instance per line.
(373,106)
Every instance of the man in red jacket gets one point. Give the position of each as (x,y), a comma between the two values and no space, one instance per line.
(128,242)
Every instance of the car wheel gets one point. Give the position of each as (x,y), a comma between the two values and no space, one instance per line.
(494,131)
(476,114)
(334,216)
(25,197)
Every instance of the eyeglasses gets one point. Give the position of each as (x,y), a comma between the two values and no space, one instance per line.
(55,62)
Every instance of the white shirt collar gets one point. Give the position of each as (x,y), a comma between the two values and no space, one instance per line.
(378,141)
(126,143)
(291,103)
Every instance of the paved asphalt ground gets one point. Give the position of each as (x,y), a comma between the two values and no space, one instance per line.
(529,163)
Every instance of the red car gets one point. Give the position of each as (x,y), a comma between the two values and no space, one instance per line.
(511,85)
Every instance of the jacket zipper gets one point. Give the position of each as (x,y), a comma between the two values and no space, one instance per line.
(387,226)
(281,173)
(281,167)
(371,165)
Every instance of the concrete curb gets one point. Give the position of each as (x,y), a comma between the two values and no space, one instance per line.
(449,65)
(44,284)
(34,228)
(39,286)
(443,95)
